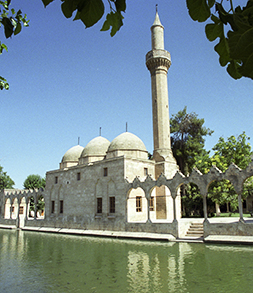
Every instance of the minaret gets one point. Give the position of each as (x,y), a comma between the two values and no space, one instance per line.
(158,62)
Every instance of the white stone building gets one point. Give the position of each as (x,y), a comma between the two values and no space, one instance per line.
(89,188)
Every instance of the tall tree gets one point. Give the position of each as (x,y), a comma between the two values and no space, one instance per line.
(12,23)
(34,181)
(235,150)
(187,139)
(5,180)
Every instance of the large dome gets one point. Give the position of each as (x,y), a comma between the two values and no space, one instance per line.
(127,141)
(96,147)
(71,157)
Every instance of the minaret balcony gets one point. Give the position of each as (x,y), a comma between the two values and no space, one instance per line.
(156,58)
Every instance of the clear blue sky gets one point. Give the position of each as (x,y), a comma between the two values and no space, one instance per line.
(67,81)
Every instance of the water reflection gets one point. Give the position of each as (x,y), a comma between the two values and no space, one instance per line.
(31,262)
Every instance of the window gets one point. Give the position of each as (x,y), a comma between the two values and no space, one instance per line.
(78,176)
(112,205)
(99,205)
(52,206)
(12,209)
(145,171)
(55,179)
(151,203)
(21,210)
(61,206)
(105,172)
(138,204)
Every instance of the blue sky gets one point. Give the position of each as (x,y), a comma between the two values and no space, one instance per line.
(67,81)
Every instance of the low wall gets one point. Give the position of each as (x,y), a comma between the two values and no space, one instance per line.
(112,225)
(8,222)
(233,229)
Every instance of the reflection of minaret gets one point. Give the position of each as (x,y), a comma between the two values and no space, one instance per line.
(158,62)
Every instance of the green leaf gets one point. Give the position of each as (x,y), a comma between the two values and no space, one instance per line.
(114,20)
(214,31)
(211,3)
(198,10)
(46,2)
(3,47)
(8,27)
(3,84)
(17,29)
(91,12)
(120,5)
(233,69)
(222,49)
(67,8)
(241,48)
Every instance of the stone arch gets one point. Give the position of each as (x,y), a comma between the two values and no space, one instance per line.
(7,208)
(248,190)
(40,206)
(218,191)
(31,207)
(22,211)
(192,208)
(136,205)
(163,203)
(15,207)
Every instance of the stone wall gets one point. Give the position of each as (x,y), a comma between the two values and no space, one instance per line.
(234,228)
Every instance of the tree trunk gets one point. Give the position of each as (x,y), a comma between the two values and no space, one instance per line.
(217,208)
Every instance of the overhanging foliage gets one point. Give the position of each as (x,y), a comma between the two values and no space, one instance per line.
(235,46)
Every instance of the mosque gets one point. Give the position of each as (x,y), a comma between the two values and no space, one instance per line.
(114,186)
(91,187)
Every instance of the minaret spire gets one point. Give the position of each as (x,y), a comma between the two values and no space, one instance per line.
(158,62)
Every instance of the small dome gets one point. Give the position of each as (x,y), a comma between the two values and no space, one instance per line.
(73,154)
(96,147)
(127,141)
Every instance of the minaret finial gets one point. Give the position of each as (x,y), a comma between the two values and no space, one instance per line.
(156,7)
(126,126)
(78,140)
(99,131)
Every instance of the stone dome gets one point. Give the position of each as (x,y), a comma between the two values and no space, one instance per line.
(96,147)
(71,157)
(127,141)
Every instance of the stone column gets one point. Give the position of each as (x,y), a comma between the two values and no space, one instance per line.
(205,206)
(148,207)
(35,208)
(240,206)
(17,219)
(174,209)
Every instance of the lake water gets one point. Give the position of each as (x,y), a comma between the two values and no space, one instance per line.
(40,262)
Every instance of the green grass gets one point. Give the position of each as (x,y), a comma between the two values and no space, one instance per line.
(233,215)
